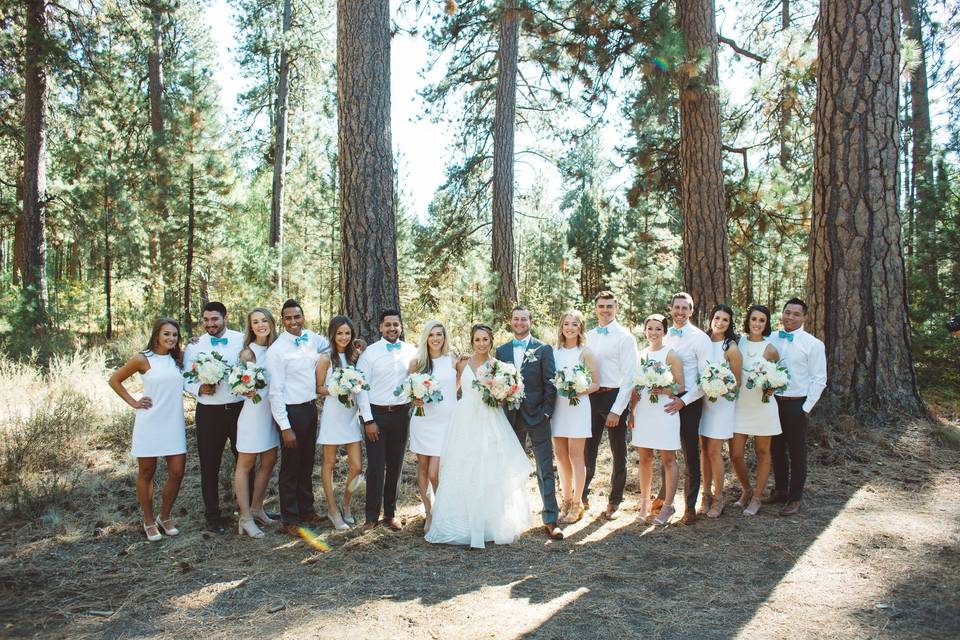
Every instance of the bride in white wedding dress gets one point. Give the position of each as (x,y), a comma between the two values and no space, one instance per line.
(482,495)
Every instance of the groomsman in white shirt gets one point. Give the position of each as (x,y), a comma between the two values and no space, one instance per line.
(386,418)
(615,350)
(292,367)
(693,346)
(806,361)
(217,408)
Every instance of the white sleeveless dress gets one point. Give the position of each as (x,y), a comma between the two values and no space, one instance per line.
(717,419)
(428,432)
(570,421)
(483,476)
(159,431)
(255,430)
(654,428)
(753,417)
(339,424)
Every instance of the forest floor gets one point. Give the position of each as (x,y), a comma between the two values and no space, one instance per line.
(874,554)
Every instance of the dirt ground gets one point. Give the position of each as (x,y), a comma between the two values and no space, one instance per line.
(874,554)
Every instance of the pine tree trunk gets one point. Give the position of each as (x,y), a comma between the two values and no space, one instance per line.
(503,139)
(787,97)
(188,267)
(704,233)
(107,255)
(35,163)
(368,248)
(280,144)
(924,200)
(855,275)
(157,227)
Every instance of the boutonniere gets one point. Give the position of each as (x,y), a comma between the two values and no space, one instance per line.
(530,355)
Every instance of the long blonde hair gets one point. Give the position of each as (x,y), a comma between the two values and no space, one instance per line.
(422,361)
(250,336)
(581,335)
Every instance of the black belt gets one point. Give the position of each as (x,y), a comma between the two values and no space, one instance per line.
(227,406)
(606,389)
(390,408)
(303,404)
(791,398)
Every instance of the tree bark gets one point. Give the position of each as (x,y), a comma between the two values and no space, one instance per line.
(503,141)
(368,250)
(107,255)
(188,267)
(35,163)
(160,178)
(704,232)
(280,144)
(924,201)
(788,95)
(855,275)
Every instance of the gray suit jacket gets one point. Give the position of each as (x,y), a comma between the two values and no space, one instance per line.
(537,377)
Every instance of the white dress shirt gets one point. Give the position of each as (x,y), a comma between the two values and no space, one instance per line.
(694,348)
(293,372)
(520,352)
(230,352)
(806,360)
(615,353)
(384,370)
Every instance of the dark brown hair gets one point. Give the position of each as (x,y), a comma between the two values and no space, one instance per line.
(176,353)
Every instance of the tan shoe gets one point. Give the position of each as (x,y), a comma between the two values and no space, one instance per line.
(553,531)
(716,507)
(791,508)
(612,512)
(689,516)
(574,514)
(776,497)
(656,505)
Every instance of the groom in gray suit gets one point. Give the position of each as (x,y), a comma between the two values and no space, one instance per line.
(534,360)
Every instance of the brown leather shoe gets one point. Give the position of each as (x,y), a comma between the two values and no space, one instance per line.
(393,524)
(368,526)
(586,505)
(656,506)
(291,530)
(775,497)
(553,531)
(689,516)
(792,508)
(314,520)
(612,512)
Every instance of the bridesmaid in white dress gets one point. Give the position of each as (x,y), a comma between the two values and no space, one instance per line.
(753,416)
(256,434)
(339,424)
(158,429)
(716,423)
(653,427)
(570,425)
(482,494)
(428,432)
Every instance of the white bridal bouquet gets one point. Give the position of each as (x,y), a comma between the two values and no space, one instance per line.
(572,381)
(500,382)
(246,377)
(651,375)
(345,383)
(208,368)
(768,376)
(718,381)
(419,386)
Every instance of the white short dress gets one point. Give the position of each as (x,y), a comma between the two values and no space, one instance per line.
(160,431)
(753,417)
(427,432)
(654,428)
(570,421)
(256,432)
(717,419)
(339,424)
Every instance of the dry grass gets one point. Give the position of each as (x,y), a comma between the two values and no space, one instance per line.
(874,554)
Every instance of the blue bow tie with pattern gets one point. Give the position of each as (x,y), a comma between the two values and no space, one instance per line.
(786,336)
(603,331)
(519,344)
(301,339)
(676,332)
(393,346)
(216,341)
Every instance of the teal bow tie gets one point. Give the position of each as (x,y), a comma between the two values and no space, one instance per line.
(393,346)
(301,339)
(787,336)
(603,331)
(519,344)
(676,332)
(216,341)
